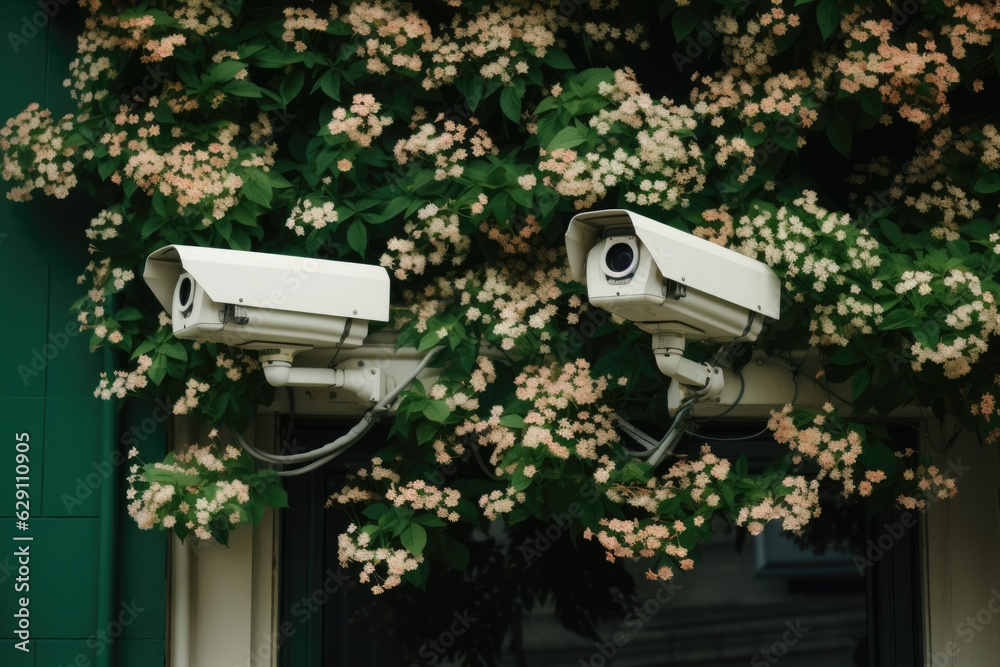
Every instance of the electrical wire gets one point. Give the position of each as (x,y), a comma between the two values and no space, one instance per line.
(655,450)
(329,451)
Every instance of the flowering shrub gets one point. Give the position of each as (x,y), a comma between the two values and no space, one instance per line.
(204,491)
(841,143)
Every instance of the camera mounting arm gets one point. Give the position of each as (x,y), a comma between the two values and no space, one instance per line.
(705,380)
(365,381)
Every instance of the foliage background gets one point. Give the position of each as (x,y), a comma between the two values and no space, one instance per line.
(848,145)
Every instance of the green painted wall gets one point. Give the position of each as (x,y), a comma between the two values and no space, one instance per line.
(47,377)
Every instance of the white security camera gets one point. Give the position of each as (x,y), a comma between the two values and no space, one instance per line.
(260,301)
(276,304)
(677,287)
(669,282)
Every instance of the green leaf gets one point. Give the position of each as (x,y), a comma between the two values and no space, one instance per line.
(860,382)
(429,520)
(513,421)
(891,231)
(684,21)
(988,184)
(437,411)
(430,339)
(457,555)
(568,137)
(838,131)
(128,314)
(510,102)
(291,86)
(473,91)
(871,103)
(898,318)
(414,538)
(426,432)
(556,58)
(225,71)
(357,237)
(635,471)
(828,17)
(519,481)
(175,351)
(376,511)
(329,83)
(270,491)
(257,187)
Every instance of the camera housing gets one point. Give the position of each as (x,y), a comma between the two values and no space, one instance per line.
(261,301)
(665,280)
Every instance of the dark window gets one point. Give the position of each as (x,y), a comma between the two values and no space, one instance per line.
(845,593)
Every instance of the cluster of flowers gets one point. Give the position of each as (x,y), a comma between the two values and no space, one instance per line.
(914,81)
(190,175)
(419,495)
(124,382)
(795,504)
(496,41)
(640,141)
(938,199)
(202,17)
(392,37)
(359,545)
(566,418)
(105,226)
(695,478)
(36,153)
(518,241)
(306,214)
(435,236)
(105,279)
(190,491)
(969,311)
(446,144)
(352,492)
(695,482)
(235,369)
(929,483)
(355,546)
(634,539)
(800,240)
(303,19)
(513,304)
(361,123)
(985,408)
(828,444)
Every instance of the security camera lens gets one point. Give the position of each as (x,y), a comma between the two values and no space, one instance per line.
(620,257)
(184,290)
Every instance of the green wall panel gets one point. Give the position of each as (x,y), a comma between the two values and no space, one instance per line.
(143,557)
(47,379)
(65,653)
(62,583)
(21,415)
(75,469)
